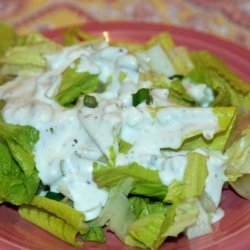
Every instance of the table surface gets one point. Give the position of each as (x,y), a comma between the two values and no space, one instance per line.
(226,18)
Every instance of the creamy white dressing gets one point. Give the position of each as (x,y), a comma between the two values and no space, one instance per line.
(102,124)
(200,92)
(173,168)
(72,139)
(150,60)
(216,177)
(217,215)
(167,129)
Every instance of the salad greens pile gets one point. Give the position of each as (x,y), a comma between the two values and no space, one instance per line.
(140,209)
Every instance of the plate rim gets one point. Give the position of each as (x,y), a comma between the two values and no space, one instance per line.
(117,25)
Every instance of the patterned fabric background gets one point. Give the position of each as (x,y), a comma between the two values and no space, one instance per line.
(226,18)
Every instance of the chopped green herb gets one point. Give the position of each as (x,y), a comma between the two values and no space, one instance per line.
(90,101)
(179,77)
(2,103)
(54,196)
(124,146)
(142,95)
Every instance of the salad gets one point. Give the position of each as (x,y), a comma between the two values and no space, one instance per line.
(138,139)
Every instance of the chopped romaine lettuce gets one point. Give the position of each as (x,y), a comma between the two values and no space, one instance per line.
(9,37)
(18,176)
(95,233)
(51,223)
(15,187)
(147,181)
(237,165)
(229,88)
(28,56)
(117,213)
(140,209)
(74,84)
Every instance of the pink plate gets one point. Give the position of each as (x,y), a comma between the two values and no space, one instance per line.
(232,232)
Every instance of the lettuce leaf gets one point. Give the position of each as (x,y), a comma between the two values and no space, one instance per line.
(143,207)
(15,186)
(151,231)
(28,55)
(75,84)
(76,35)
(50,223)
(201,226)
(117,213)
(147,181)
(181,59)
(238,156)
(175,192)
(237,165)
(146,231)
(195,175)
(230,89)
(61,210)
(214,63)
(179,95)
(95,233)
(124,146)
(193,183)
(178,57)
(9,35)
(55,217)
(241,186)
(21,141)
(18,176)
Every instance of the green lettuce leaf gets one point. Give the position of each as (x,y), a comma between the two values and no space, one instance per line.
(238,156)
(237,165)
(61,210)
(158,80)
(151,231)
(214,63)
(117,213)
(179,95)
(175,192)
(15,186)
(56,217)
(21,141)
(74,84)
(124,146)
(147,181)
(179,217)
(76,35)
(181,59)
(143,207)
(193,183)
(201,226)
(174,59)
(146,231)
(50,223)
(241,186)
(28,55)
(95,233)
(18,176)
(230,89)
(195,175)
(9,35)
